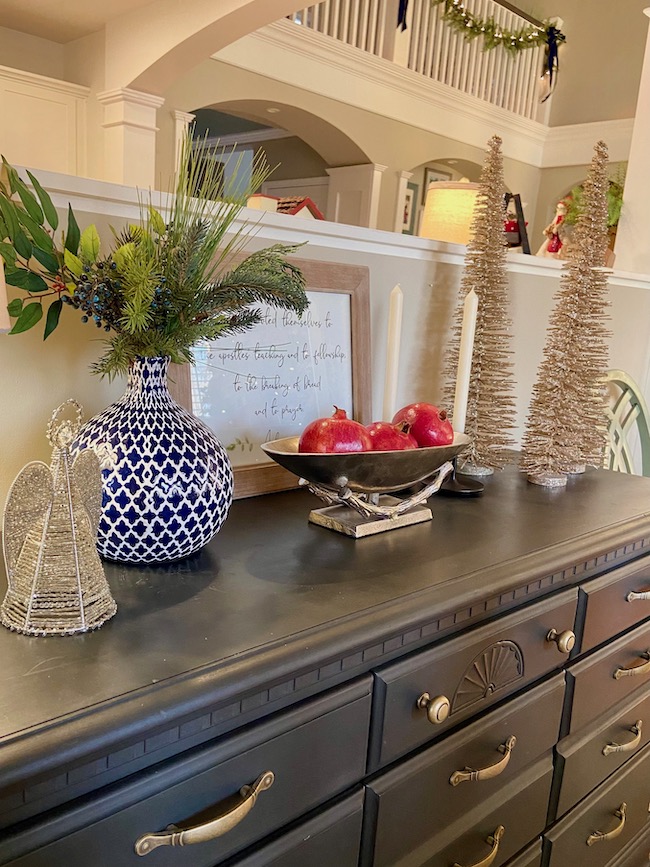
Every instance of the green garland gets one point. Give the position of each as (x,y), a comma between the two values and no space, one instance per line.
(493,34)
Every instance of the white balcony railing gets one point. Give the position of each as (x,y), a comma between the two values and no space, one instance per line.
(430,47)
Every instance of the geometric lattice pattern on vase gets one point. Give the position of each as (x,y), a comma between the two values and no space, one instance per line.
(493,669)
(56,580)
(167,480)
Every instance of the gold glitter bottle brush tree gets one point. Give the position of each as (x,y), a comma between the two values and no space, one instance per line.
(490,394)
(566,428)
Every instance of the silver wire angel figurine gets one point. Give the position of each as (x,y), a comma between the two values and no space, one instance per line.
(56,582)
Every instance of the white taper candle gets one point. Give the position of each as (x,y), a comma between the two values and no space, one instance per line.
(470,309)
(5,321)
(392,351)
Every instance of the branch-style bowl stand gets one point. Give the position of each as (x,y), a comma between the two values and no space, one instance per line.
(357,486)
(360,515)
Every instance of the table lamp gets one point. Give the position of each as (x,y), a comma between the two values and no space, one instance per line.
(448,211)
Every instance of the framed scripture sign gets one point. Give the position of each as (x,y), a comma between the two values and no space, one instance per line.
(271,381)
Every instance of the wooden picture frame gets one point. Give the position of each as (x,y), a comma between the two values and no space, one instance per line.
(411,203)
(430,177)
(327,277)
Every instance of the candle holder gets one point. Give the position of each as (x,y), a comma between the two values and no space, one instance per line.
(459,485)
(357,486)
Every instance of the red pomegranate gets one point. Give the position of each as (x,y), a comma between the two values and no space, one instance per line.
(335,434)
(387,437)
(429,425)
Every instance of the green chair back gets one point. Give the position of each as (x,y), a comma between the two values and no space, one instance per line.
(626,411)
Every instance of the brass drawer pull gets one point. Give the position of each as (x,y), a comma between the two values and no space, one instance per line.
(601,836)
(437,708)
(638,597)
(493,840)
(209,830)
(630,745)
(565,640)
(486,773)
(636,670)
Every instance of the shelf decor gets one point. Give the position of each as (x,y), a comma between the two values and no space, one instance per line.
(56,580)
(566,426)
(490,400)
(166,284)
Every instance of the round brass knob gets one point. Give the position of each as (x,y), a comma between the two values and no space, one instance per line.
(437,708)
(565,640)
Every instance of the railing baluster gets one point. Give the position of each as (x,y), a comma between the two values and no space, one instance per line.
(435,50)
(364,14)
(431,41)
(437,25)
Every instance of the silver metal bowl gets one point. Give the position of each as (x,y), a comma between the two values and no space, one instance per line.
(364,472)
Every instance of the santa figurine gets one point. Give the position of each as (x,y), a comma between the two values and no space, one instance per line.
(553,234)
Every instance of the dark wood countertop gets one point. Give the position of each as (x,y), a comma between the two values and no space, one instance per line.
(272,595)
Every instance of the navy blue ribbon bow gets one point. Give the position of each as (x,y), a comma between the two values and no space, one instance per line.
(401,14)
(551,57)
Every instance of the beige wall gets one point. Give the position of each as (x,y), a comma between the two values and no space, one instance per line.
(398,146)
(600,64)
(31,53)
(293,158)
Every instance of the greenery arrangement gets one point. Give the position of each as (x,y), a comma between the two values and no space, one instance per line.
(494,34)
(166,283)
(575,201)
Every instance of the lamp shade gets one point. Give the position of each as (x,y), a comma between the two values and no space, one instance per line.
(448,211)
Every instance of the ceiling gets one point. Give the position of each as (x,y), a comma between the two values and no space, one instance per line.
(64,20)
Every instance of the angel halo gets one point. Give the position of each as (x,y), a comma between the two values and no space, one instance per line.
(56,582)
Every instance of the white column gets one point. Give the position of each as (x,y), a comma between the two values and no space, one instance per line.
(353,194)
(632,249)
(182,120)
(404,178)
(130,136)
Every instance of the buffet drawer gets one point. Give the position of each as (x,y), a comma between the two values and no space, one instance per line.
(589,756)
(567,841)
(615,602)
(519,807)
(609,675)
(530,857)
(431,790)
(331,839)
(470,673)
(303,748)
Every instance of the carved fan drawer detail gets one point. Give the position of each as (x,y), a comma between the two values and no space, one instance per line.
(419,697)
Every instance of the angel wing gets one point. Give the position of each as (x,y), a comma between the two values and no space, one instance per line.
(30,496)
(88,480)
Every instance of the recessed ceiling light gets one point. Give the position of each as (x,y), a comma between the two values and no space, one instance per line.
(272,110)
(452,162)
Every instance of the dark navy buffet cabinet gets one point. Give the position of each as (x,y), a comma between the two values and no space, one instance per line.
(470,692)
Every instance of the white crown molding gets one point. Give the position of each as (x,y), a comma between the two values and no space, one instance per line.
(343,73)
(182,116)
(573,144)
(131,97)
(20,76)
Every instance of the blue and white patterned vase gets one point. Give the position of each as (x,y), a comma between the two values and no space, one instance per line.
(168,483)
